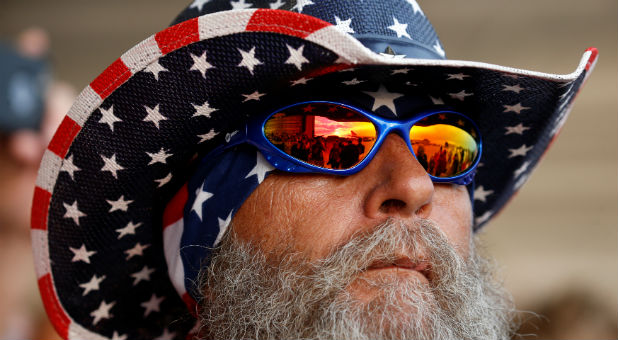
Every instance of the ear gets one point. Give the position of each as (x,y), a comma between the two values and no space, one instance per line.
(25,147)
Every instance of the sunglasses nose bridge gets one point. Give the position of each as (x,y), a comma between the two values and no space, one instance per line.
(401,129)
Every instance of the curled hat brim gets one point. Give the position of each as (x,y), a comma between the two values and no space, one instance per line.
(132,136)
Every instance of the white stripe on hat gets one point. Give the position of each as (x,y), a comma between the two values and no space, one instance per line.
(171,246)
(142,54)
(41,252)
(228,23)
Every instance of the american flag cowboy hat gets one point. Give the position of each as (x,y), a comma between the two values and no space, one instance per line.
(134,135)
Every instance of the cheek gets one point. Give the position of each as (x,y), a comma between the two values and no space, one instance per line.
(306,214)
(452,212)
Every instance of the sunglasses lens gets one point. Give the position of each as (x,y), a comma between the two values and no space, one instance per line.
(446,144)
(326,135)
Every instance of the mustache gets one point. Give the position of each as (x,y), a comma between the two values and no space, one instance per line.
(419,245)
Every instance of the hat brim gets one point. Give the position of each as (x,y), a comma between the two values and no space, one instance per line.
(103,173)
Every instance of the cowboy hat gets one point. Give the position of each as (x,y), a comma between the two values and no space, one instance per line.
(133,137)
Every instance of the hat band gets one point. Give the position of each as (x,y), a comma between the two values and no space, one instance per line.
(406,48)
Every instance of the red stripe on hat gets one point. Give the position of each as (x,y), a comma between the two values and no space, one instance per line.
(328,69)
(191,304)
(175,208)
(54,310)
(113,76)
(593,57)
(279,21)
(177,36)
(40,208)
(64,136)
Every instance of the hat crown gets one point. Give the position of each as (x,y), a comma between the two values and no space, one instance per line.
(393,27)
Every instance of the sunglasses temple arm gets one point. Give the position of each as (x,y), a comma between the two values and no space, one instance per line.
(232,139)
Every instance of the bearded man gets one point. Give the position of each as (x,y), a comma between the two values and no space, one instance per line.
(170,204)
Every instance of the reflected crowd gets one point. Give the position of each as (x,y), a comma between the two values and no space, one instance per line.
(332,152)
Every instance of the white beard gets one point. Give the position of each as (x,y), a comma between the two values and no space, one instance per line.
(250,298)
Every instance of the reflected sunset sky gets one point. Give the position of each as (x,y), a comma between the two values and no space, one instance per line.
(441,133)
(327,127)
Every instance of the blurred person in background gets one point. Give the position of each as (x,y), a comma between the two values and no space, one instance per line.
(31,107)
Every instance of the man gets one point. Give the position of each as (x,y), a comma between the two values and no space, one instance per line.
(162,187)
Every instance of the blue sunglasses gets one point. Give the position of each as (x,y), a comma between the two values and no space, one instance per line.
(334,138)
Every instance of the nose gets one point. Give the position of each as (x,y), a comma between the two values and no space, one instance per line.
(396,184)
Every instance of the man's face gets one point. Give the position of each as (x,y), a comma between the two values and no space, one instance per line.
(384,253)
(314,214)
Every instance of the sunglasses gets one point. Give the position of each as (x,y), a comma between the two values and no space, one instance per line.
(334,138)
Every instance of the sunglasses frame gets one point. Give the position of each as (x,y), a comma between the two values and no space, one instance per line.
(254,134)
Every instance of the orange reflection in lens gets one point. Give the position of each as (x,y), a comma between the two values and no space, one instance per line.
(444,150)
(325,135)
(327,127)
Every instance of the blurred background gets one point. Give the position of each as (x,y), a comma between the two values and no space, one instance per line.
(557,241)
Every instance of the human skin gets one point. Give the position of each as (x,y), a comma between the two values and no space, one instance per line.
(314,214)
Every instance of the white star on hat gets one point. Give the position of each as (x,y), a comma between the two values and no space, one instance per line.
(73,212)
(481,194)
(108,117)
(518,129)
(248,59)
(199,4)
(517,108)
(152,305)
(91,285)
(260,169)
(223,224)
(200,64)
(138,250)
(343,25)
(277,4)
(81,254)
(300,5)
(142,275)
(102,312)
(457,76)
(384,98)
(155,68)
(515,88)
(253,96)
(200,197)
(159,157)
(436,101)
(400,29)
(521,169)
(521,181)
(300,81)
(296,57)
(240,4)
(163,181)
(461,95)
(129,229)
(521,151)
(154,115)
(203,110)
(68,166)
(208,135)
(352,82)
(404,70)
(483,218)
(416,7)
(119,204)
(111,165)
